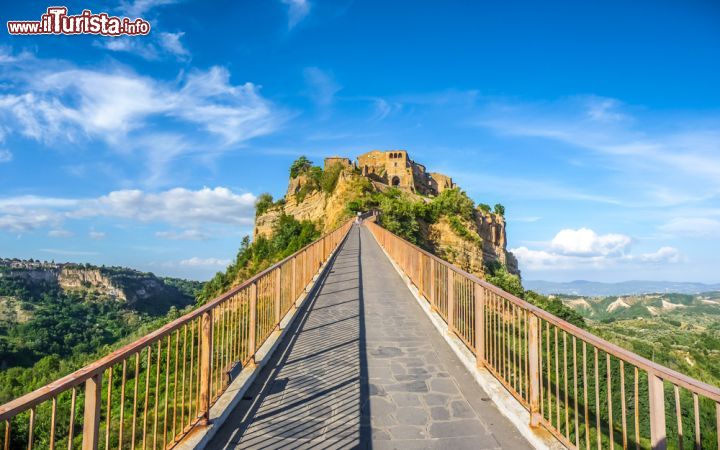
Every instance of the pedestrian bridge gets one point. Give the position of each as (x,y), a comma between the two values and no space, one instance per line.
(362,340)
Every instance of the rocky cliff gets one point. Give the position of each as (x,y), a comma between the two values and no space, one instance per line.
(328,196)
(139,290)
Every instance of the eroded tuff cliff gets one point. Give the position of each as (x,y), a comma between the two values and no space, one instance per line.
(140,290)
(473,241)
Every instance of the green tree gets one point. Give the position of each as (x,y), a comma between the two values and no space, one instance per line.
(299,166)
(263,203)
(499,209)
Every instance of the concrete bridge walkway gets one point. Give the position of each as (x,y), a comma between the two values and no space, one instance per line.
(363,367)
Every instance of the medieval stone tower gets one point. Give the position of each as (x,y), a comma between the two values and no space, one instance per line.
(395,168)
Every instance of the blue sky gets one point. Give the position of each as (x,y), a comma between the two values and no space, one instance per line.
(597,125)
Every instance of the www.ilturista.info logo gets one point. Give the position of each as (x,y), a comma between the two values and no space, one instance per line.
(56,21)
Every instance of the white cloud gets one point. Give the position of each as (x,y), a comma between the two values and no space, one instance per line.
(585,242)
(139,46)
(695,227)
(177,206)
(666,160)
(204,262)
(663,254)
(5,156)
(200,114)
(584,248)
(113,103)
(184,235)
(322,86)
(20,220)
(97,235)
(297,11)
(60,233)
(171,43)
(604,109)
(60,251)
(153,47)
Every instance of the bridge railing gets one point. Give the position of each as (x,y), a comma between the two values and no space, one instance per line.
(588,392)
(152,392)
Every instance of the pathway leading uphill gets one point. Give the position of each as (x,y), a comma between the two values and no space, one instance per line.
(363,367)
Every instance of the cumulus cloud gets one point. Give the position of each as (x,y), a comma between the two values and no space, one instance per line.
(204,262)
(585,242)
(297,11)
(177,206)
(663,254)
(584,248)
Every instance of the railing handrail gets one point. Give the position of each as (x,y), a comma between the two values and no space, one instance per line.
(707,390)
(81,375)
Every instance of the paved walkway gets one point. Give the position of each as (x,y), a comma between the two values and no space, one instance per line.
(364,368)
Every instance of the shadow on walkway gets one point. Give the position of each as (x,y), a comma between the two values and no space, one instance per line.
(311,392)
(363,367)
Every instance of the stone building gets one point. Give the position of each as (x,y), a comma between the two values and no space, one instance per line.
(332,160)
(395,168)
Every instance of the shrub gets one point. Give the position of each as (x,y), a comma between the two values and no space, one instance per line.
(499,210)
(330,177)
(299,166)
(452,202)
(263,203)
(461,230)
(289,235)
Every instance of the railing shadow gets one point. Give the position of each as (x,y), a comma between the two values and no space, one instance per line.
(314,392)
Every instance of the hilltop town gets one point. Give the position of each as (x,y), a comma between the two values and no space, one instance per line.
(328,195)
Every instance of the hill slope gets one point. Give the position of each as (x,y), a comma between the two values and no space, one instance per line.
(594,288)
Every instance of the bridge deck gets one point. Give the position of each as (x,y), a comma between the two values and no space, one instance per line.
(364,367)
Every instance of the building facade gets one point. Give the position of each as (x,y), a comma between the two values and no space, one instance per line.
(395,168)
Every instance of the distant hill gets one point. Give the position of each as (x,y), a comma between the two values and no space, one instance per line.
(680,331)
(633,287)
(55,317)
(139,291)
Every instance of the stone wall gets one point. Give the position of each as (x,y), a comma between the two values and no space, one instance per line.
(395,168)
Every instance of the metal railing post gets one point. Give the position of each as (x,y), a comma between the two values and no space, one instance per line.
(293,294)
(278,290)
(450,300)
(433,303)
(253,322)
(479,325)
(534,370)
(206,351)
(656,392)
(91,417)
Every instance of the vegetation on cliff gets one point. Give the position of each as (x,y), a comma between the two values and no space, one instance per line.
(47,332)
(289,235)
